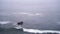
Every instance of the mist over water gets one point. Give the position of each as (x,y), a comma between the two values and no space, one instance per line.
(36,14)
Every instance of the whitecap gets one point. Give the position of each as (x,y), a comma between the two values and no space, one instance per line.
(4,22)
(40,31)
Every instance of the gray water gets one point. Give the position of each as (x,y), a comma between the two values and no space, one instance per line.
(36,14)
(26,31)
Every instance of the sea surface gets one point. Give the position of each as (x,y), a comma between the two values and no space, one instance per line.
(39,16)
(27,31)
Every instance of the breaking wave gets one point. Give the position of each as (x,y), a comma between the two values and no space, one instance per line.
(40,31)
(31,30)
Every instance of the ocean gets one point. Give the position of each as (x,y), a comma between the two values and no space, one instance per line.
(26,31)
(39,16)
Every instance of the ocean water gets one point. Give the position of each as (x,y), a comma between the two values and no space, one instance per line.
(26,31)
(39,16)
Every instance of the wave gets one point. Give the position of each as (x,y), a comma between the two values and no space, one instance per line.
(27,31)
(40,31)
(32,30)
(4,22)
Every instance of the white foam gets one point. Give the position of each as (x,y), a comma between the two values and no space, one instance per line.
(4,22)
(39,31)
(18,27)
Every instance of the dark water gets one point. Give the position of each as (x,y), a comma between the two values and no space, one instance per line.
(11,31)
